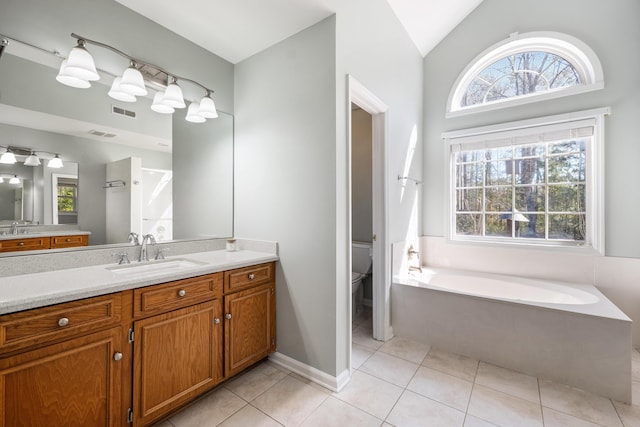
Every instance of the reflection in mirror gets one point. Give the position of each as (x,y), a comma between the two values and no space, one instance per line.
(171,170)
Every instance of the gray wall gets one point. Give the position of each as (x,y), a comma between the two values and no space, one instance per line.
(292,169)
(361,176)
(611,29)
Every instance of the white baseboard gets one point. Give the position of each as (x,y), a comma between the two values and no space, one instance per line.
(309,372)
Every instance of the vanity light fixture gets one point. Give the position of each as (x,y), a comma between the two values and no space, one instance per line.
(78,70)
(1,180)
(14,180)
(8,158)
(32,160)
(55,163)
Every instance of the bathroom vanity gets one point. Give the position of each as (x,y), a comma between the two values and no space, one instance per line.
(35,242)
(133,356)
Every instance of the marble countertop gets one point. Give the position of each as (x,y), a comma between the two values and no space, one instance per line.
(28,291)
(35,234)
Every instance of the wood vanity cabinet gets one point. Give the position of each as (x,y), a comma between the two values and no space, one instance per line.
(178,353)
(39,243)
(136,356)
(64,365)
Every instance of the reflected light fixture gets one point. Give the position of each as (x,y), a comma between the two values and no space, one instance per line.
(8,158)
(193,114)
(14,180)
(1,180)
(55,163)
(79,69)
(32,160)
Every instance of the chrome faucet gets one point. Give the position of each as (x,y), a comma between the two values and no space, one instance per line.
(14,228)
(133,238)
(143,248)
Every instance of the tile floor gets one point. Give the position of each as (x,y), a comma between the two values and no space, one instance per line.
(404,383)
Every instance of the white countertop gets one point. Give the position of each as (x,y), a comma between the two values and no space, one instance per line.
(42,234)
(27,291)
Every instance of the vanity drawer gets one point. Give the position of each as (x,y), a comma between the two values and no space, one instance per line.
(69,241)
(43,325)
(242,278)
(182,293)
(25,244)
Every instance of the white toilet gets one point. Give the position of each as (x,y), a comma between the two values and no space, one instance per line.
(361,253)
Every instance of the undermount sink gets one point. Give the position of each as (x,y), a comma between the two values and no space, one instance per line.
(154,268)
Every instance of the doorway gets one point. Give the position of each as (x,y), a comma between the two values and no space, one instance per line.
(380,277)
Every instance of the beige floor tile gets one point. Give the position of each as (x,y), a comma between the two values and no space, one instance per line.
(249,416)
(359,355)
(553,418)
(630,415)
(471,421)
(415,410)
(452,364)
(403,348)
(290,401)
(363,335)
(444,388)
(335,412)
(635,393)
(635,365)
(370,394)
(253,383)
(508,381)
(578,403)
(503,409)
(210,410)
(390,368)
(163,424)
(311,383)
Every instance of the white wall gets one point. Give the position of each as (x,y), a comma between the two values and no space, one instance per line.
(612,32)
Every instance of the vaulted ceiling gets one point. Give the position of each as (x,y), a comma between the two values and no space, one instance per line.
(237,29)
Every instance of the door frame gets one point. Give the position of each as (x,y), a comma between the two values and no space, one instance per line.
(381,278)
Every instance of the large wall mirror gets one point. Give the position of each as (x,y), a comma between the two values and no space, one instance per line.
(126,168)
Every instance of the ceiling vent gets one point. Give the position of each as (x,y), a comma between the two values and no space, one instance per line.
(102,134)
(122,112)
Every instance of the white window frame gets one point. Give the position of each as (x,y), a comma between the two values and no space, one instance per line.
(594,242)
(578,53)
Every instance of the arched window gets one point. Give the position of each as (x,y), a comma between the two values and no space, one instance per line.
(525,68)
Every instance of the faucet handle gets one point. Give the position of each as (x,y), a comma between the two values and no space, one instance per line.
(133,238)
(160,252)
(124,258)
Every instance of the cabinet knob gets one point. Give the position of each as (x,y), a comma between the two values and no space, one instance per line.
(216,320)
(20,243)
(252,276)
(67,240)
(63,321)
(227,316)
(182,293)
(117,356)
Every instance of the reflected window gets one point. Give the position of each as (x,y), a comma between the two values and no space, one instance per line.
(67,200)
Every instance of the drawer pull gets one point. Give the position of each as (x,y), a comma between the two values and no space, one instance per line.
(216,320)
(182,293)
(117,356)
(63,322)
(67,240)
(20,243)
(227,316)
(252,276)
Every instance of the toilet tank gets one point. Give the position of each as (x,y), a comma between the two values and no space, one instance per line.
(361,253)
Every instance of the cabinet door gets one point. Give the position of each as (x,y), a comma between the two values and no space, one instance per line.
(177,356)
(73,383)
(249,329)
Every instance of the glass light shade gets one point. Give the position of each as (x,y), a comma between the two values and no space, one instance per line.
(193,115)
(32,160)
(116,93)
(208,108)
(158,106)
(132,82)
(55,163)
(14,180)
(8,158)
(80,64)
(1,180)
(69,80)
(173,96)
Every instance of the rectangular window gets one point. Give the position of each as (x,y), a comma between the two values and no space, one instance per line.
(533,185)
(67,196)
